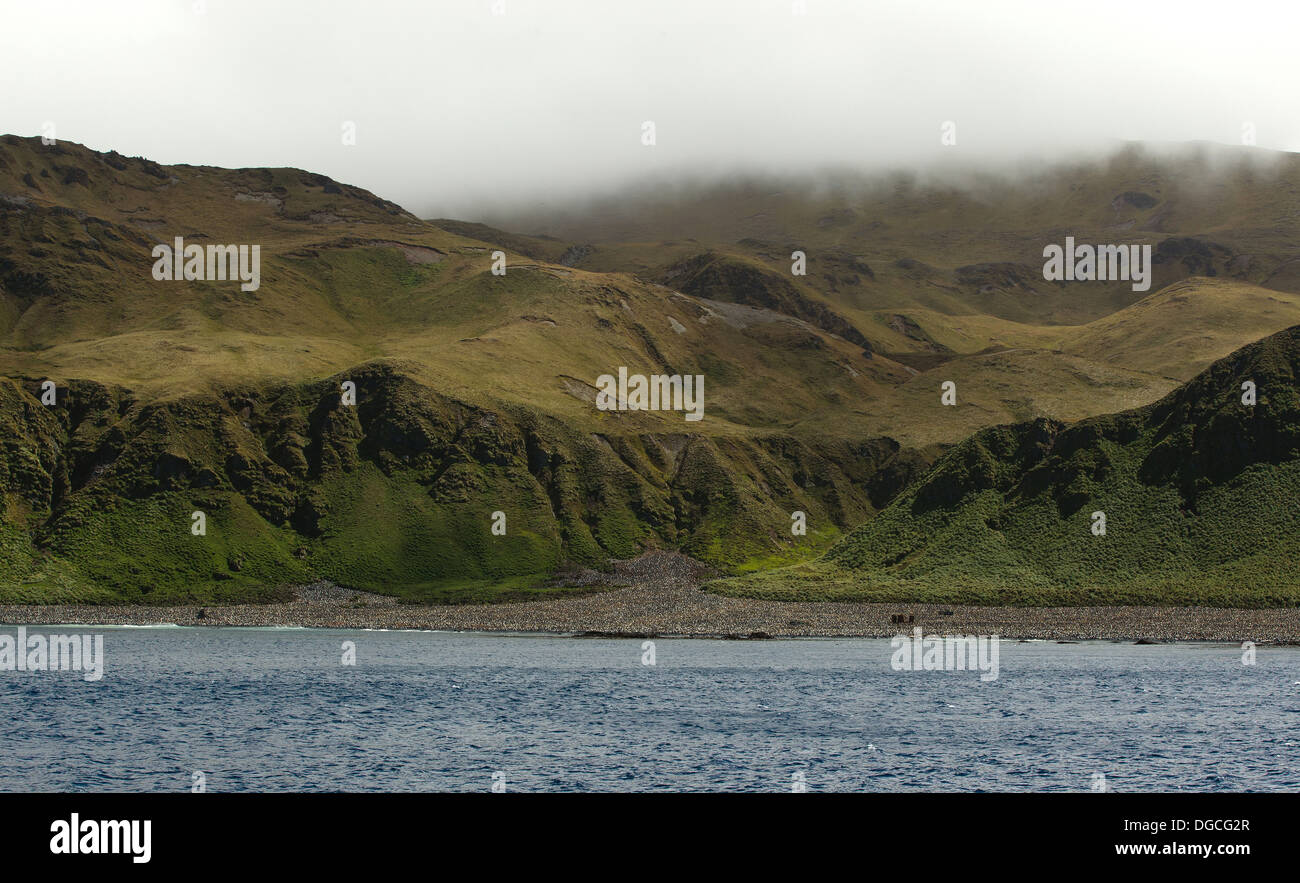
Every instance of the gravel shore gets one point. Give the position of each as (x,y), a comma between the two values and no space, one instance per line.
(658,595)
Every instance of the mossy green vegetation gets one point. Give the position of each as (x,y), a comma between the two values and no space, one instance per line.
(396,494)
(1200,494)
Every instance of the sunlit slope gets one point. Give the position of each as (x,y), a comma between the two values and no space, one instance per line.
(1067,373)
(1180,330)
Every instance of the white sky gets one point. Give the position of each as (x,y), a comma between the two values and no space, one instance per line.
(458,109)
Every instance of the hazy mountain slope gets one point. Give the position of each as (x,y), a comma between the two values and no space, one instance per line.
(946,278)
(955,243)
(1198,492)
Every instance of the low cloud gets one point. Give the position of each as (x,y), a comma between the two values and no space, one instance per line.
(476,107)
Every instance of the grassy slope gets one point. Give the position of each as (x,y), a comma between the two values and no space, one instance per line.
(337,290)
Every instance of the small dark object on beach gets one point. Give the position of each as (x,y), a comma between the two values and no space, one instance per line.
(202,614)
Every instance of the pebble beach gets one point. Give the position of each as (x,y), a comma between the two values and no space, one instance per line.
(659,595)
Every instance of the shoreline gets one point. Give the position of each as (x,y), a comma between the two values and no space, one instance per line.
(658,596)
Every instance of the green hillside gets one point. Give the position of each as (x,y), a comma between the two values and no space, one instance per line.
(1198,491)
(395,494)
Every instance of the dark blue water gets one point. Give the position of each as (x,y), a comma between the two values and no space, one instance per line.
(274,710)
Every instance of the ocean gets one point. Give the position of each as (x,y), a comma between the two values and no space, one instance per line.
(240,710)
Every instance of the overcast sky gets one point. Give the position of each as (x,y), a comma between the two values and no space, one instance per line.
(459,106)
